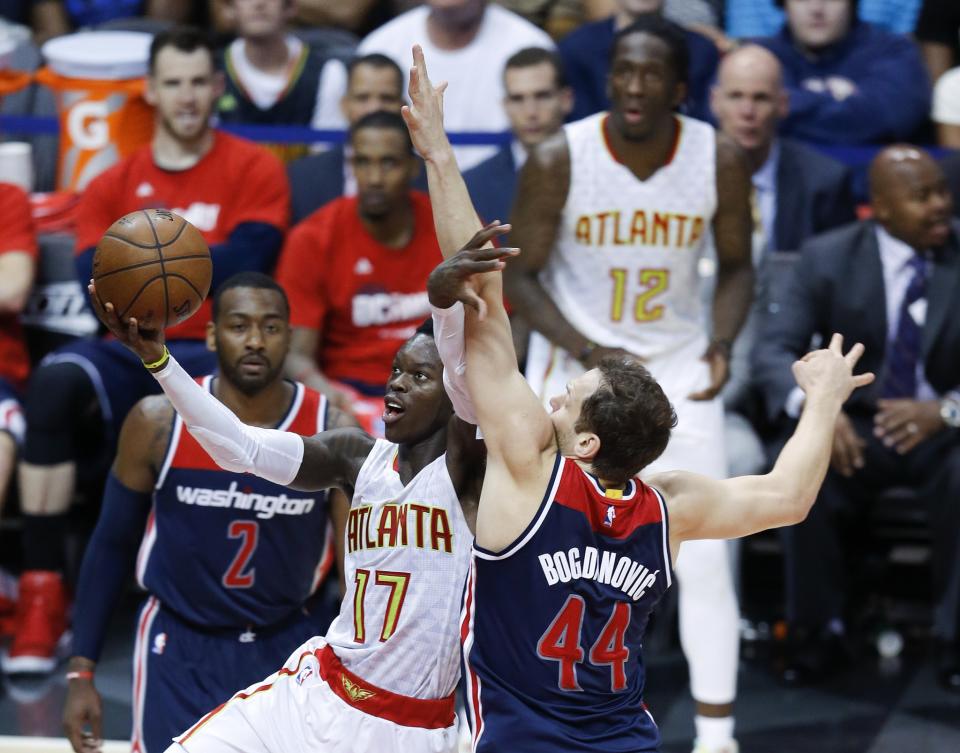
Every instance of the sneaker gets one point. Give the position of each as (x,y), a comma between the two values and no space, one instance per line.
(41,622)
(728,747)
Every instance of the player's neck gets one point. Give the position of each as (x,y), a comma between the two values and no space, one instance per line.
(415,456)
(393,230)
(267,54)
(172,153)
(265,408)
(644,156)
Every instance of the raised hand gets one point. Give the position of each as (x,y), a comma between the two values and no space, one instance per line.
(828,373)
(453,280)
(147,344)
(424,116)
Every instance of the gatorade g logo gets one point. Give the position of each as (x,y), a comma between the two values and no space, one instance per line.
(87,125)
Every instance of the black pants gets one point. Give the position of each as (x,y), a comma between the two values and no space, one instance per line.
(813,549)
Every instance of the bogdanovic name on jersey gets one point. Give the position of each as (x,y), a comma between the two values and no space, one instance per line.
(642,227)
(409,524)
(265,505)
(383,308)
(620,572)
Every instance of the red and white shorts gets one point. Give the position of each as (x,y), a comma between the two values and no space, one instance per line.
(314,704)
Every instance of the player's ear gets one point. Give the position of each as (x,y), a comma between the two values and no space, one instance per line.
(586,446)
(150,93)
(211,337)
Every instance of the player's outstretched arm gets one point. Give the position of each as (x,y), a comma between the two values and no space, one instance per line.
(453,213)
(703,508)
(285,458)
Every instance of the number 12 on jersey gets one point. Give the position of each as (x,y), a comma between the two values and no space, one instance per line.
(397,583)
(561,643)
(653,282)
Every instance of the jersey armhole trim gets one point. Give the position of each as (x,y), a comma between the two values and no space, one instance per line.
(665,526)
(534,525)
(172,444)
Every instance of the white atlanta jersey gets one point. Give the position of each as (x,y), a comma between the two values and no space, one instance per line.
(624,269)
(407,553)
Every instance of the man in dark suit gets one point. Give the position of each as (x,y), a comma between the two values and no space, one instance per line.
(374,83)
(893,284)
(797,193)
(537,101)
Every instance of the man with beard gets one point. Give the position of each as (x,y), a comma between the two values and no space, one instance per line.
(236,194)
(228,560)
(356,271)
(383,677)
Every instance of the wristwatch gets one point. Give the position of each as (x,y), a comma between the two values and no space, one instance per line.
(950,412)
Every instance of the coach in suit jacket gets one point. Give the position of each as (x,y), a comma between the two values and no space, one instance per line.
(893,284)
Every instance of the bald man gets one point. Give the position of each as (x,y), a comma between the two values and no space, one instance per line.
(797,193)
(891,283)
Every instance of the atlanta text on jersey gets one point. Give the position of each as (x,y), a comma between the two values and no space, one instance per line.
(615,228)
(265,505)
(605,567)
(409,524)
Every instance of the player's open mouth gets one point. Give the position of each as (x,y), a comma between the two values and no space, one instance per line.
(393,410)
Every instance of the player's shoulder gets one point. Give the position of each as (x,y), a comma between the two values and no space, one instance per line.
(153,410)
(133,167)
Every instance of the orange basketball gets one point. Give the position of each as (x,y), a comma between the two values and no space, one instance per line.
(152,265)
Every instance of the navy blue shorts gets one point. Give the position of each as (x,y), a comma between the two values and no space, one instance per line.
(11,412)
(181,673)
(118,376)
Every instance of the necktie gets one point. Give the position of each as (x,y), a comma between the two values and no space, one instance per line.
(903,352)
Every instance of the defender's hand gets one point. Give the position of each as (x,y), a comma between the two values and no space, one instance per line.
(147,344)
(454,279)
(83,708)
(424,116)
(828,373)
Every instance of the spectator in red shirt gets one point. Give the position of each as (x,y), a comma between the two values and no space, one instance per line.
(356,271)
(236,194)
(18,251)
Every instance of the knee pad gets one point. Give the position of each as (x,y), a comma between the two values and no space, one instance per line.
(60,398)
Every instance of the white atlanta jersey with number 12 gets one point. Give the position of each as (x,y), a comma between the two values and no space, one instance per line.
(624,268)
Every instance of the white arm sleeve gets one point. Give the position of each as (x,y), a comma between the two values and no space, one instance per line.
(273,455)
(448,334)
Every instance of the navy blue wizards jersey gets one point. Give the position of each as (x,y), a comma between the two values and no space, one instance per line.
(226,549)
(553,625)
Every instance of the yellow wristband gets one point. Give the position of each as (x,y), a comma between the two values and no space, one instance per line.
(159,362)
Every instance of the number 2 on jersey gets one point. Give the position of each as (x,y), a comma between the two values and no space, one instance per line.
(397,582)
(561,643)
(248,531)
(654,282)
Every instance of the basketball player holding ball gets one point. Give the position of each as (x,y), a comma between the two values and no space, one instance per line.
(236,194)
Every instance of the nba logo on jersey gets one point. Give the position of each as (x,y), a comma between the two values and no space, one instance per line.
(304,674)
(611,515)
(159,643)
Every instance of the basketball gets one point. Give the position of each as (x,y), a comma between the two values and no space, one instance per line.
(154,266)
